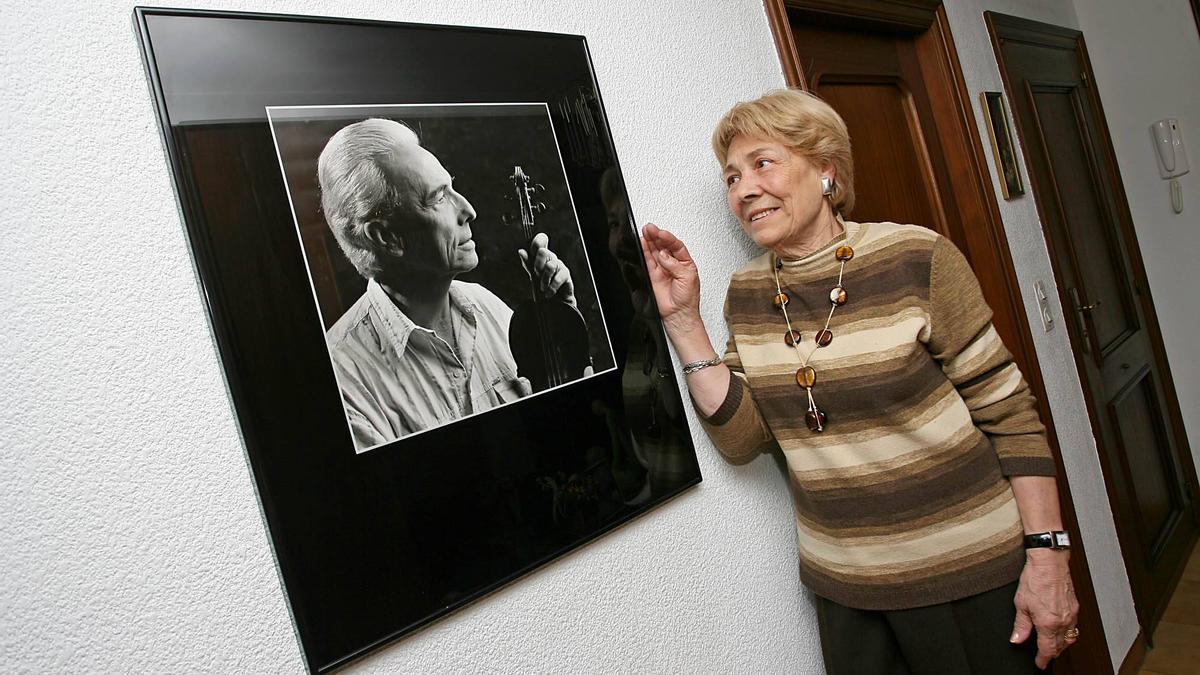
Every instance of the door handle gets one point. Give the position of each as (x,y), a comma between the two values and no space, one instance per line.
(1081,311)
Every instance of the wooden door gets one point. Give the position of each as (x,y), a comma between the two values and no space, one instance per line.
(1110,316)
(874,81)
(890,71)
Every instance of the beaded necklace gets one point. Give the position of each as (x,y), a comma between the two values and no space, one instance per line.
(806,375)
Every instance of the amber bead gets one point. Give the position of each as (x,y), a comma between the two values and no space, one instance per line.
(844,253)
(824,337)
(838,295)
(791,337)
(815,419)
(781,300)
(806,377)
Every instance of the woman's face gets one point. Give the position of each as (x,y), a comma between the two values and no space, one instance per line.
(774,192)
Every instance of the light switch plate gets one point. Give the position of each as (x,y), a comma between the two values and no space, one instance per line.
(1043,301)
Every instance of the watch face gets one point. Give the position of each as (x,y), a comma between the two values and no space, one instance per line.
(1061,539)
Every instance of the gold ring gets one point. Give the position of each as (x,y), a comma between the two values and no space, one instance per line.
(1072,633)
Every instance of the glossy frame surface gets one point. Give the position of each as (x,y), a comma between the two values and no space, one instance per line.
(372,546)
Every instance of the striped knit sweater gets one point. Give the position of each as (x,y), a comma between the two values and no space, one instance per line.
(903,501)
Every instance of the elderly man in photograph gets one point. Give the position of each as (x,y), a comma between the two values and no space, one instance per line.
(419,348)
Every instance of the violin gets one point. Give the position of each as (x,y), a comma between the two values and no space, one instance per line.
(547,336)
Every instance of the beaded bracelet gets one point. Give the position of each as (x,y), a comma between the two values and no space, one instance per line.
(697,366)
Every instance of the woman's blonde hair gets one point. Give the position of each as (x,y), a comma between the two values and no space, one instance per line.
(803,123)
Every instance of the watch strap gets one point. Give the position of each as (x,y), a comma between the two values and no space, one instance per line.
(1054,539)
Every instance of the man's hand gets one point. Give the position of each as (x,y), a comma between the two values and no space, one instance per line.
(549,273)
(1045,599)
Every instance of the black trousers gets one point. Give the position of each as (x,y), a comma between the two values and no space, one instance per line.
(963,637)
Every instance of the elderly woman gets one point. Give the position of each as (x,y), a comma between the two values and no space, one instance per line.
(924,495)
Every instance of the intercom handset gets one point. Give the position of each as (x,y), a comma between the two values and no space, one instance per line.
(1172,155)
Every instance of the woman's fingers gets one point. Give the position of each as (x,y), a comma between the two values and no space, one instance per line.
(651,251)
(664,249)
(648,256)
(663,239)
(1050,644)
(669,263)
(659,238)
(672,272)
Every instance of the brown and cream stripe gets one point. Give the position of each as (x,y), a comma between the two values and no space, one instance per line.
(903,501)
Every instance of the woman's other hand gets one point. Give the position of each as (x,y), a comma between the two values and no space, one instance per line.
(674,278)
(1046,600)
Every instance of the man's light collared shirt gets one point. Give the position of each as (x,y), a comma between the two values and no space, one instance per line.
(398,378)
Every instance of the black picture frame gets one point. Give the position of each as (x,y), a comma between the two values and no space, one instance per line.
(1004,150)
(374,545)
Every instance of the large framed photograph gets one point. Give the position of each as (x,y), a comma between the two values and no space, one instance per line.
(425,285)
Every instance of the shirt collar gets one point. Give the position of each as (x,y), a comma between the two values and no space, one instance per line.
(399,327)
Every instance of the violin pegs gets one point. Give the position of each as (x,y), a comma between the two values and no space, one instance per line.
(539,207)
(538,187)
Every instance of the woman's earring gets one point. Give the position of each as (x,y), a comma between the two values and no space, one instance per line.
(826,185)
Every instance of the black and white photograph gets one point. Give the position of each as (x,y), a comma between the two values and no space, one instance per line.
(445,257)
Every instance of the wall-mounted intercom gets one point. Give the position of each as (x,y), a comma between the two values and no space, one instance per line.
(1172,157)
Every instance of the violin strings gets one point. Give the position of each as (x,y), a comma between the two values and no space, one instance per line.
(549,354)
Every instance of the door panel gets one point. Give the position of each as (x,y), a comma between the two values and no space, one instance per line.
(881,116)
(875,82)
(1109,313)
(1138,424)
(1058,112)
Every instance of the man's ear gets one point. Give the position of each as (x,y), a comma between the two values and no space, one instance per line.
(384,237)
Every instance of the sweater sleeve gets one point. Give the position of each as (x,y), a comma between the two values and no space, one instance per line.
(737,428)
(963,339)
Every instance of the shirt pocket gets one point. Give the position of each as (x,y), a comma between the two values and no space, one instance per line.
(503,390)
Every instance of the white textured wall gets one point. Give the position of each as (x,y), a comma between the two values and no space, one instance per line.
(1147,61)
(1032,262)
(132,536)
(132,540)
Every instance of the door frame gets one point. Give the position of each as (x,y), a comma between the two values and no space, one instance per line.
(987,241)
(1005,27)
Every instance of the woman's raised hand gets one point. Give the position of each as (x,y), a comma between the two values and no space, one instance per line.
(674,278)
(677,290)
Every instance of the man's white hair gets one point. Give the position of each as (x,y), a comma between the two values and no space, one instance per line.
(355,188)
